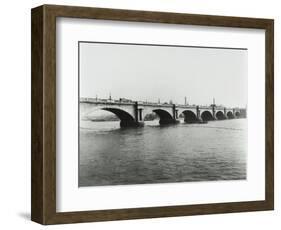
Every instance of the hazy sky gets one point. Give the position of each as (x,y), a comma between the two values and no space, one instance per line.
(142,72)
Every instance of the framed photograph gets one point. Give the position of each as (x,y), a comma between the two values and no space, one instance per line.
(140,114)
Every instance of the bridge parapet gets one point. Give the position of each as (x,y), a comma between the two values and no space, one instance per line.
(186,106)
(105,101)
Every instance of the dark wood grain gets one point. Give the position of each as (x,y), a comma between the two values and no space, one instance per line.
(37,116)
(269,114)
(44,114)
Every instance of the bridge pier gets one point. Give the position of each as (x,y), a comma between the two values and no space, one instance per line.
(214,111)
(198,116)
(198,113)
(133,124)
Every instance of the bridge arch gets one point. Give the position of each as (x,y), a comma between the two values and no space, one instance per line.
(165,116)
(237,114)
(207,116)
(189,116)
(229,115)
(126,119)
(220,115)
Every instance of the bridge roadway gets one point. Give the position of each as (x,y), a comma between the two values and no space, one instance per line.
(133,113)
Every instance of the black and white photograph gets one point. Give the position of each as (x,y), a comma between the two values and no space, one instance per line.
(159,113)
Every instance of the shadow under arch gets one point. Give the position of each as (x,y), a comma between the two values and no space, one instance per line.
(189,116)
(126,119)
(150,116)
(230,115)
(220,115)
(207,116)
(165,117)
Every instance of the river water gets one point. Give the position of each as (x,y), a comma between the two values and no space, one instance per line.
(110,155)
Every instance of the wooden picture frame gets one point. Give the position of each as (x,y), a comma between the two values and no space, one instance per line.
(43,205)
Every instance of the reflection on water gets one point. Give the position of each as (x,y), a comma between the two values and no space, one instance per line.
(161,154)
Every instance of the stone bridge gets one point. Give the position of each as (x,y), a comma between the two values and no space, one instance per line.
(132,113)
